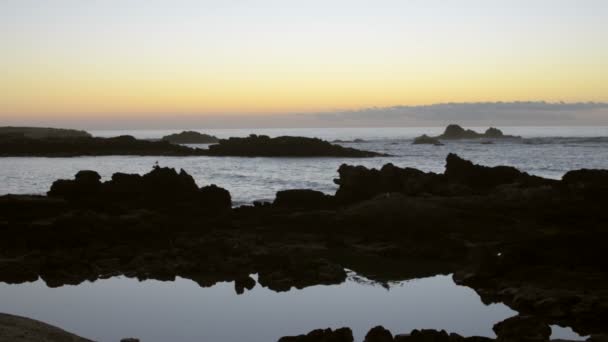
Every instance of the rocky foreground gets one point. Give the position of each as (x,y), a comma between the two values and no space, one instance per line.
(12,145)
(535,244)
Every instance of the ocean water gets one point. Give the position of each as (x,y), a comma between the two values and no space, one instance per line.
(155,311)
(543,151)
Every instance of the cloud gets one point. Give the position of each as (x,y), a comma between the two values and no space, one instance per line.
(513,113)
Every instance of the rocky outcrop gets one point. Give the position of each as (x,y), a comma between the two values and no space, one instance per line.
(458,170)
(190,137)
(426,140)
(89,146)
(161,185)
(41,132)
(322,335)
(285,146)
(454,132)
(358,183)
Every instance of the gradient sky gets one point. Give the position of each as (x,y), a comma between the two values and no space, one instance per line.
(146,58)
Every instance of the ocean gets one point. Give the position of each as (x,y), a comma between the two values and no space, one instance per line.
(543,151)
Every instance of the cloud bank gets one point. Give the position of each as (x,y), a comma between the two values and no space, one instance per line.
(531,113)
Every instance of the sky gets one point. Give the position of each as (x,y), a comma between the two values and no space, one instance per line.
(162,62)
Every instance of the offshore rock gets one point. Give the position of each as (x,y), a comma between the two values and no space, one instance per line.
(285,146)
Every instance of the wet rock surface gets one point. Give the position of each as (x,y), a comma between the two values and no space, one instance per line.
(535,244)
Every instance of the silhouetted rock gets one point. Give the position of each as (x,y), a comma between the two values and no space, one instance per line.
(456,132)
(42,132)
(161,185)
(425,139)
(587,177)
(302,198)
(378,334)
(285,146)
(91,146)
(85,184)
(190,137)
(477,176)
(322,335)
(359,183)
(522,329)
(240,284)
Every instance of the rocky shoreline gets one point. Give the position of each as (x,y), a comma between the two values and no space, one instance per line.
(252,146)
(535,244)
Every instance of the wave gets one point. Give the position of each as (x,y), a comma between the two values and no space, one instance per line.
(565,140)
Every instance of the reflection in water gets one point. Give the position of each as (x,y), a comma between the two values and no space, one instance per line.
(110,309)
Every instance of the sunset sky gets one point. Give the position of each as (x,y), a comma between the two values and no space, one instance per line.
(153,58)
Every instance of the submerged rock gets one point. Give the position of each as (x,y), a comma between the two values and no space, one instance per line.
(285,146)
(190,137)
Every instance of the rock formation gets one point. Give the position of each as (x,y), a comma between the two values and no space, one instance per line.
(285,146)
(190,137)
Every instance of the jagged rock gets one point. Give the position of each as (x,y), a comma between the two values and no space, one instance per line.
(359,183)
(322,335)
(454,132)
(378,334)
(190,137)
(243,283)
(285,146)
(462,171)
(85,184)
(425,139)
(161,185)
(522,329)
(302,198)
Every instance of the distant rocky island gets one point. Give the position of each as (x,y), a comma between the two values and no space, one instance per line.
(190,137)
(456,132)
(284,146)
(42,132)
(13,145)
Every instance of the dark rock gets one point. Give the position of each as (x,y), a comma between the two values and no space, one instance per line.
(493,133)
(455,132)
(359,183)
(462,171)
(244,283)
(302,198)
(322,335)
(212,196)
(42,132)
(190,137)
(85,184)
(522,329)
(587,178)
(91,146)
(129,339)
(285,146)
(425,139)
(378,334)
(161,185)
